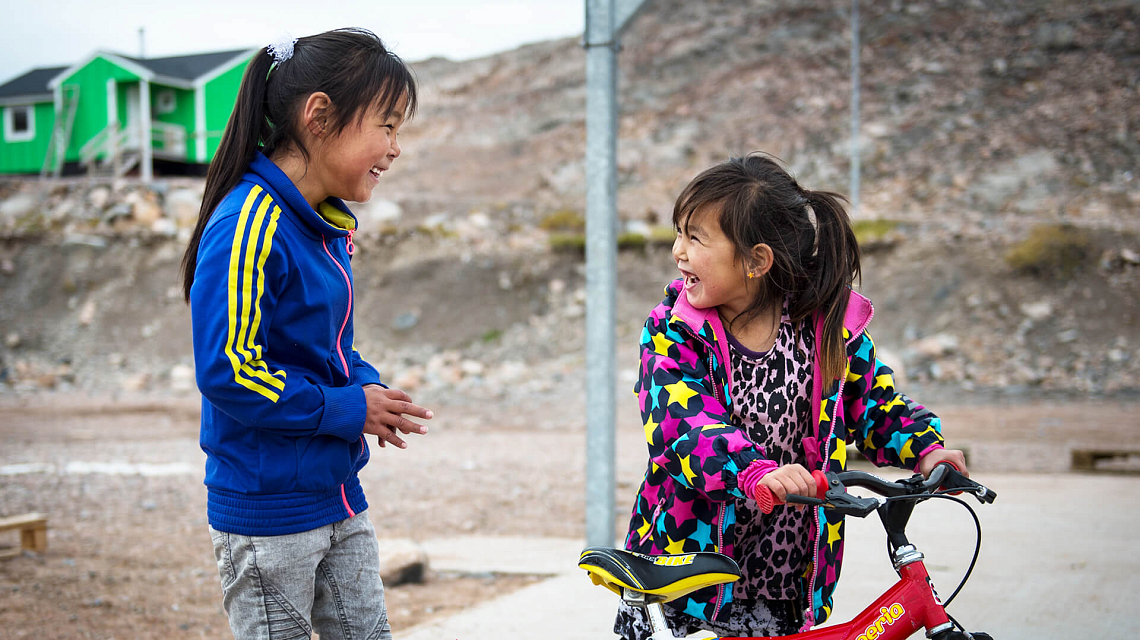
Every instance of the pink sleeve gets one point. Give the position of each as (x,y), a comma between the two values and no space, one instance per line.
(750,477)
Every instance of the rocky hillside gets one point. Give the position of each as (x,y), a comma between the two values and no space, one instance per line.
(1000,204)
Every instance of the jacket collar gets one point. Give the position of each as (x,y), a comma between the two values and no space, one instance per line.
(334,218)
(855,320)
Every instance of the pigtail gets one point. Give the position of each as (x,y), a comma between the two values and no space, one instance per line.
(833,268)
(246,130)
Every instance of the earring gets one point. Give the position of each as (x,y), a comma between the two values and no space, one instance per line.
(751,275)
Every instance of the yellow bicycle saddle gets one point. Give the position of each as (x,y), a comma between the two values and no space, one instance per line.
(660,578)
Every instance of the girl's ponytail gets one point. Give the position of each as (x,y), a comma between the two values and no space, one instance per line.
(834,267)
(245,131)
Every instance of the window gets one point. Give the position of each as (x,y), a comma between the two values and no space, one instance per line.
(165,102)
(19,123)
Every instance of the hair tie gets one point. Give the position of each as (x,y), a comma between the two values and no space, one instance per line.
(281,50)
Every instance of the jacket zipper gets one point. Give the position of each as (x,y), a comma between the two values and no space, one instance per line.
(720,589)
(653,519)
(348,309)
(827,443)
(815,554)
(339,336)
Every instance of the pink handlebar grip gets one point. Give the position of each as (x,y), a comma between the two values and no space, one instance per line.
(766,501)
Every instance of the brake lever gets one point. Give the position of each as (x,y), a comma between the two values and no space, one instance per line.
(842,502)
(837,499)
(955,481)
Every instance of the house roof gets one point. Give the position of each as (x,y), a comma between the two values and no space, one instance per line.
(32,83)
(189,67)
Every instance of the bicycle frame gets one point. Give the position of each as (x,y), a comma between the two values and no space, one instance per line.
(911,604)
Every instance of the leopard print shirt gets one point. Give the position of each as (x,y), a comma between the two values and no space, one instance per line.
(772,401)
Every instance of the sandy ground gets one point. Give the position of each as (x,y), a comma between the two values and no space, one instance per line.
(129,555)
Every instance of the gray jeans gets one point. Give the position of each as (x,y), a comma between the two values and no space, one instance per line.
(324,581)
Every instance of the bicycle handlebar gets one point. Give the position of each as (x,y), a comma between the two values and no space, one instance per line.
(831,489)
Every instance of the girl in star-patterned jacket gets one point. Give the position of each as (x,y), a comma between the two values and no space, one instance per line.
(755,370)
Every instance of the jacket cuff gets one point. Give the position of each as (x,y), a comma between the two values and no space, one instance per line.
(345,411)
(366,375)
(751,476)
(922,454)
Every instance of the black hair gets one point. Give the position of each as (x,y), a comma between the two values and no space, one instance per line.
(814,262)
(351,66)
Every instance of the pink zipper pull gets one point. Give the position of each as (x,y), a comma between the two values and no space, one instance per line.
(348,245)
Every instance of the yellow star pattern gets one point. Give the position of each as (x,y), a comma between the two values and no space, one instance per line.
(675,546)
(906,451)
(896,402)
(643,529)
(884,381)
(661,344)
(840,454)
(868,443)
(833,533)
(650,428)
(687,468)
(928,429)
(679,393)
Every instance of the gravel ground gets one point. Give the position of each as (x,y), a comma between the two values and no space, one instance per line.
(129,556)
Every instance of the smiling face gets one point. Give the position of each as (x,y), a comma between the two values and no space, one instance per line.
(350,164)
(714,275)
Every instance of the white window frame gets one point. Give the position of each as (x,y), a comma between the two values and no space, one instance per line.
(166,101)
(10,133)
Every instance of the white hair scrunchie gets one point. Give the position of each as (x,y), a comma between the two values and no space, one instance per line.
(282,50)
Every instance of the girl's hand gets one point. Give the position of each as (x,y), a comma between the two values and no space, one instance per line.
(386,411)
(790,478)
(931,460)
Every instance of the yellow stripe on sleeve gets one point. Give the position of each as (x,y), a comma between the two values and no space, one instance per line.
(240,280)
(250,352)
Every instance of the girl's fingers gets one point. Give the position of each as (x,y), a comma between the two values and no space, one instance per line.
(405,407)
(407,426)
(398,394)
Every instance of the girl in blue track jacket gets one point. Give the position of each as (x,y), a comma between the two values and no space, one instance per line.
(286,399)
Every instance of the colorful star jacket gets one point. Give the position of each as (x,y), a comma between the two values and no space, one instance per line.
(696,453)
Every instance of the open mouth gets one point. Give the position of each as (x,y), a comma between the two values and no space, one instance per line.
(376,171)
(690,279)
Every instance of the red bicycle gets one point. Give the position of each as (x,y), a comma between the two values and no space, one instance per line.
(911,604)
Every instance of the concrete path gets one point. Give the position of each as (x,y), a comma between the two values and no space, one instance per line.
(1059,560)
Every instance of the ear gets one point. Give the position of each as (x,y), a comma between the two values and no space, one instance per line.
(315,113)
(760,260)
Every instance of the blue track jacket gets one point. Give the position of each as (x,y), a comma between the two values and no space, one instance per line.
(282,400)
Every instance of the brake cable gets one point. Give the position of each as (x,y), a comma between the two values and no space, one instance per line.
(977,547)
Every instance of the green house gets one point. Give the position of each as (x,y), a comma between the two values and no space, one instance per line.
(28,110)
(110,113)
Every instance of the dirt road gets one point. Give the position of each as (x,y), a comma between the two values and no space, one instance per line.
(129,555)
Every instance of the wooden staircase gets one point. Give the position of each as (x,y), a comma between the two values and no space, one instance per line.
(61,131)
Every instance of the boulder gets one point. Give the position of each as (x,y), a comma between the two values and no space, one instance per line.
(401,561)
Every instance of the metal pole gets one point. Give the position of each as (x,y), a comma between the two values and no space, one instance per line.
(146,150)
(855,106)
(601,268)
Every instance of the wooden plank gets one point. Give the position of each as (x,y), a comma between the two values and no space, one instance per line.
(22,521)
(1122,461)
(33,533)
